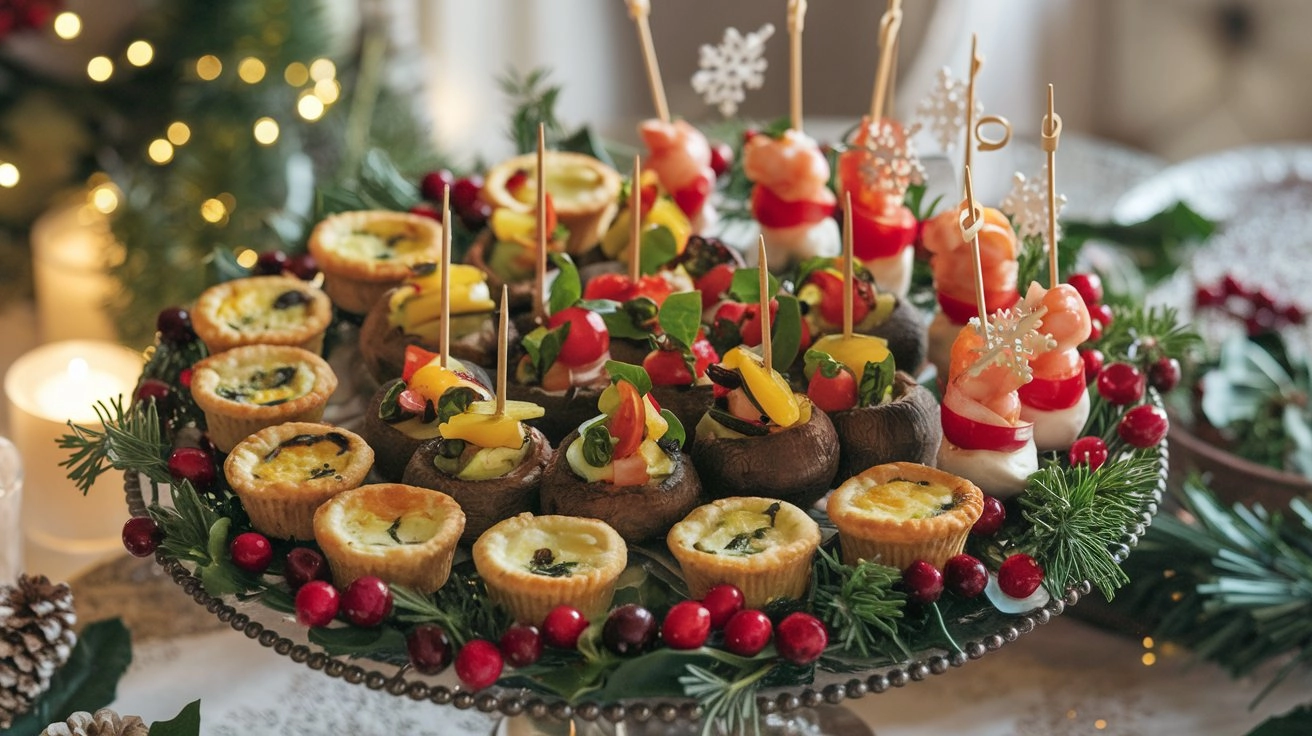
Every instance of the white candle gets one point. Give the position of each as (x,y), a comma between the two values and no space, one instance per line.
(72,252)
(64,531)
(11,524)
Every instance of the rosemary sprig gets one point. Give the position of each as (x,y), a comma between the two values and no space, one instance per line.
(859,604)
(131,440)
(461,607)
(534,101)
(726,703)
(196,533)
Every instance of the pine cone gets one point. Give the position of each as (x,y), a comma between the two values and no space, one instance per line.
(105,722)
(36,639)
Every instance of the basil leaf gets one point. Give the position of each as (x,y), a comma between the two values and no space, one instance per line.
(787,332)
(876,382)
(567,288)
(676,432)
(633,320)
(598,446)
(818,360)
(634,374)
(454,401)
(680,317)
(746,285)
(658,249)
(389,410)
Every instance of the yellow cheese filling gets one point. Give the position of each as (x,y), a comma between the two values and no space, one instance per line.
(305,458)
(381,241)
(269,384)
(413,527)
(569,551)
(903,500)
(263,309)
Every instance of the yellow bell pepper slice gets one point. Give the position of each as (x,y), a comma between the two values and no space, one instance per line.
(484,430)
(769,389)
(855,351)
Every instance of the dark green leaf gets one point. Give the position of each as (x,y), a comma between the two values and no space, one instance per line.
(356,641)
(455,401)
(658,249)
(598,445)
(543,347)
(226,268)
(676,432)
(185,723)
(634,374)
(382,183)
(586,141)
(681,317)
(787,332)
(746,285)
(87,682)
(818,360)
(876,382)
(566,289)
(1297,722)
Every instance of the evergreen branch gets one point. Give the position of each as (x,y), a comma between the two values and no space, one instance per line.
(860,602)
(1141,334)
(131,440)
(461,607)
(194,532)
(534,102)
(726,703)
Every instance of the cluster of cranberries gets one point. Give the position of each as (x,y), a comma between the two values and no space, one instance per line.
(466,199)
(276,263)
(965,575)
(1256,308)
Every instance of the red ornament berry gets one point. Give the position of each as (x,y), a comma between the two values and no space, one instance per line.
(801,638)
(1020,576)
(563,626)
(174,325)
(990,520)
(434,184)
(184,377)
(1120,383)
(1091,451)
(303,266)
(629,629)
(521,645)
(251,552)
(193,464)
(1230,286)
(303,565)
(1089,287)
(317,603)
(1095,329)
(424,209)
(1208,296)
(965,576)
(1143,426)
(1164,373)
(723,601)
(152,389)
(429,648)
(923,582)
(465,194)
(476,217)
(1103,314)
(141,536)
(1293,315)
(367,601)
(686,625)
(270,263)
(721,158)
(1093,363)
(479,664)
(747,632)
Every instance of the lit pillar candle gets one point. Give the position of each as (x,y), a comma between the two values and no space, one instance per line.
(72,252)
(64,531)
(11,524)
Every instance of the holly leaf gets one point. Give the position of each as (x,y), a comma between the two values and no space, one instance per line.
(658,249)
(87,682)
(634,374)
(632,319)
(746,285)
(185,723)
(786,331)
(567,288)
(681,317)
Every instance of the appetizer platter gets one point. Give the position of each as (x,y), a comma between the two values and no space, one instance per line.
(598,467)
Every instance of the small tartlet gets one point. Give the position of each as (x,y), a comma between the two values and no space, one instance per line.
(507,554)
(402,534)
(365,253)
(262,310)
(738,540)
(897,513)
(248,388)
(283,473)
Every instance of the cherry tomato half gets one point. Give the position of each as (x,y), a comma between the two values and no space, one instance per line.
(832,394)
(587,340)
(771,211)
(629,421)
(969,434)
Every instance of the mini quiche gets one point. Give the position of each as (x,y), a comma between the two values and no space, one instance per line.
(246,389)
(402,534)
(363,254)
(897,513)
(531,564)
(267,310)
(762,545)
(285,472)
(584,191)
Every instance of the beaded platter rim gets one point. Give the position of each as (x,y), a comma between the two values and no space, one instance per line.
(519,701)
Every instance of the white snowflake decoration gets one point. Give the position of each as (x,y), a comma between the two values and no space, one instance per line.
(1011,339)
(892,164)
(727,70)
(1027,204)
(944,109)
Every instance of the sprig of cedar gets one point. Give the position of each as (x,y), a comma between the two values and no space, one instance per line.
(859,604)
(131,439)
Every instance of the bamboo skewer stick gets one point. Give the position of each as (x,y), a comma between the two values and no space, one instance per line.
(540,267)
(975,63)
(796,21)
(635,221)
(971,219)
(444,334)
(639,10)
(767,340)
(848,267)
(1050,135)
(503,336)
(889,25)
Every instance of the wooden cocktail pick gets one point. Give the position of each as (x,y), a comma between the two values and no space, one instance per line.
(639,10)
(540,267)
(796,20)
(1051,133)
(767,341)
(635,221)
(503,321)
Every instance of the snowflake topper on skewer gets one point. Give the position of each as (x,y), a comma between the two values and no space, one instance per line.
(944,109)
(1011,339)
(726,71)
(893,164)
(1027,204)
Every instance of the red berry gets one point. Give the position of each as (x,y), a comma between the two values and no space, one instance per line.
(174,325)
(686,625)
(1263,301)
(477,216)
(141,536)
(429,648)
(478,665)
(184,377)
(303,565)
(1164,373)
(629,629)
(1103,314)
(270,263)
(521,645)
(1095,329)
(1120,383)
(1293,315)
(1230,286)
(990,520)
(801,638)
(1089,286)
(1020,576)
(367,601)
(965,576)
(193,464)
(251,552)
(424,209)
(1091,451)
(465,194)
(303,266)
(1143,426)
(434,184)
(152,388)
(721,158)
(563,626)
(1206,296)
(1093,363)
(723,601)
(747,632)
(923,582)
(317,603)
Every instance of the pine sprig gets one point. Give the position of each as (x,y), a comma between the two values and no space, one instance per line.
(131,440)
(860,604)
(726,703)
(194,532)
(534,102)
(461,607)
(1141,334)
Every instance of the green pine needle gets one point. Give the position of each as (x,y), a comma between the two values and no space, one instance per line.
(131,440)
(461,607)
(860,605)
(726,703)
(1141,334)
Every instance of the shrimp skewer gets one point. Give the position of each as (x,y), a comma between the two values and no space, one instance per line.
(1057,400)
(681,157)
(792,200)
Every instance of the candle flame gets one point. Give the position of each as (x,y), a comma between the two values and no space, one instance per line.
(78,369)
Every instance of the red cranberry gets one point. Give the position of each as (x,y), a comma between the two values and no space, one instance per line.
(747,632)
(174,325)
(1095,329)
(965,576)
(1230,286)
(434,184)
(923,582)
(1102,313)
(521,645)
(1208,296)
(563,626)
(686,625)
(723,601)
(184,377)
(193,464)
(303,565)
(629,629)
(477,216)
(1089,287)
(1120,383)
(1093,363)
(270,263)
(1143,426)
(465,194)
(1293,315)
(801,638)
(990,520)
(721,158)
(1164,373)
(424,209)
(141,536)
(1020,576)
(367,601)
(429,648)
(152,389)
(317,603)
(479,664)
(251,552)
(516,181)
(1091,451)
(303,266)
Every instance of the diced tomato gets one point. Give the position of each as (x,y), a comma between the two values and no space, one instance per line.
(771,211)
(667,368)
(831,299)
(616,286)
(415,358)
(630,471)
(629,421)
(692,198)
(969,434)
